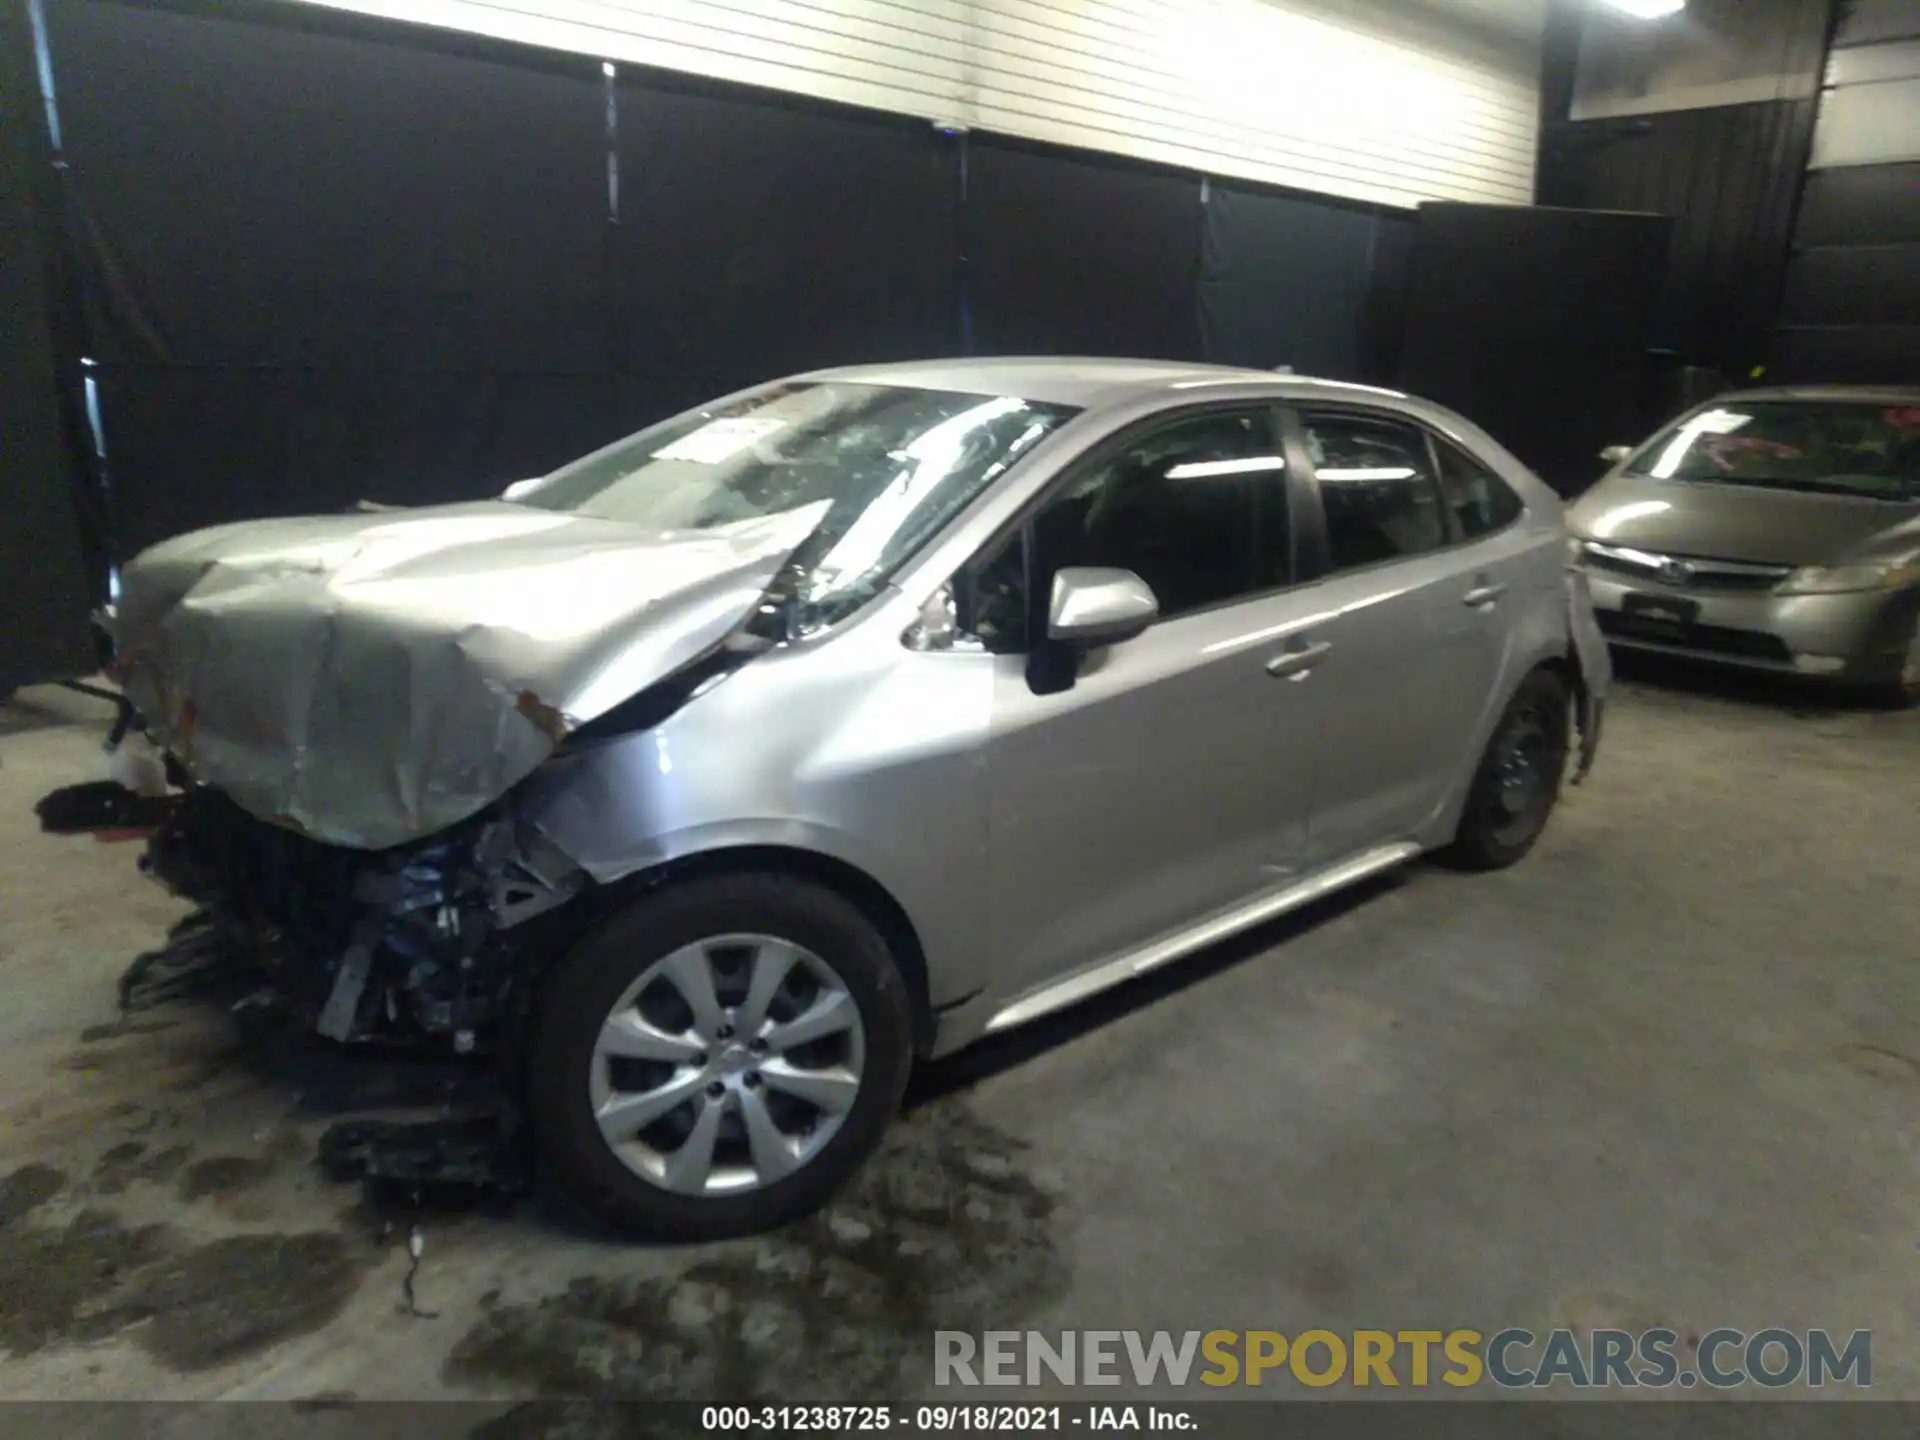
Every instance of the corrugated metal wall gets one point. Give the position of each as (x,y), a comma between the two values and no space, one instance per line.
(1727,174)
(1851,308)
(1387,103)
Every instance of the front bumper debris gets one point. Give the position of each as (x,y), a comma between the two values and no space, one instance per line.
(419,943)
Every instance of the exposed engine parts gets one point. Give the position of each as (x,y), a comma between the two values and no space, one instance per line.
(411,943)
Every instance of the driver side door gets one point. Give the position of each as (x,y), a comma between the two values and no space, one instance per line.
(1166,777)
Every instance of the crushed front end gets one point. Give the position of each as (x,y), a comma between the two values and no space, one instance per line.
(425,943)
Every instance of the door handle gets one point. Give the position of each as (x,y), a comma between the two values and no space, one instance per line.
(1294,664)
(1483,595)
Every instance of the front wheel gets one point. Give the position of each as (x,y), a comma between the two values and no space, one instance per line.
(1518,782)
(719,1057)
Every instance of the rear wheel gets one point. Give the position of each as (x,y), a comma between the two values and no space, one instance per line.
(1518,782)
(719,1057)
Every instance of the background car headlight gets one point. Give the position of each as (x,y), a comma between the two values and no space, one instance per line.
(1839,579)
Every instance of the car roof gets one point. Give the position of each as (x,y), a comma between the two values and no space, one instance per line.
(1832,394)
(1086,381)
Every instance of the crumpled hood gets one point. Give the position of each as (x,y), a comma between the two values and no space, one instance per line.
(372,678)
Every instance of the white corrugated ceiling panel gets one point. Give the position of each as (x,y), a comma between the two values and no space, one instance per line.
(1392,103)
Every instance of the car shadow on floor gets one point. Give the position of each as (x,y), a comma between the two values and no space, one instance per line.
(1796,695)
(937,1079)
(352,1087)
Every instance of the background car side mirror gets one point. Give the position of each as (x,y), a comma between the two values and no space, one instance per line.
(1094,606)
(1614,454)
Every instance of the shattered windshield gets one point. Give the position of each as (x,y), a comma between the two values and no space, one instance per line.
(1869,451)
(893,464)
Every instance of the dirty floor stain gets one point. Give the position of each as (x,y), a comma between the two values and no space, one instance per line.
(241,1295)
(1879,1063)
(132,1161)
(940,1230)
(219,1175)
(83,1277)
(94,1034)
(28,1188)
(65,1282)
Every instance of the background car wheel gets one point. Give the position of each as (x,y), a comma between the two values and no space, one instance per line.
(719,1057)
(1518,782)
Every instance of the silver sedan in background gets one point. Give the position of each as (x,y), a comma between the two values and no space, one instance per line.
(849,719)
(1776,529)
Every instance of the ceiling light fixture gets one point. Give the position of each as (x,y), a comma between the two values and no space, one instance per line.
(1647,9)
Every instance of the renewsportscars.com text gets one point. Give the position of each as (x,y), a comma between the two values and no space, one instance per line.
(1723,1358)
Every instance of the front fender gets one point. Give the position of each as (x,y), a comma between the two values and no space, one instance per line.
(1593,667)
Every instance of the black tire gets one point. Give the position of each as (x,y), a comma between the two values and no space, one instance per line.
(598,970)
(1501,823)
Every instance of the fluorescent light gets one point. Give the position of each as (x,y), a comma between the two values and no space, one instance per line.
(1382,472)
(1203,469)
(1647,9)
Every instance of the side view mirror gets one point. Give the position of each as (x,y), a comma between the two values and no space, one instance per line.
(1090,607)
(1614,454)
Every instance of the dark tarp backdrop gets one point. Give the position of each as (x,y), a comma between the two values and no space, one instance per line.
(323,267)
(1531,322)
(194,446)
(1708,118)
(1384,317)
(1851,306)
(329,258)
(43,618)
(1728,175)
(1068,256)
(1284,281)
(757,239)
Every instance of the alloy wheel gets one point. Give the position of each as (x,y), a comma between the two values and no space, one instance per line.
(727,1065)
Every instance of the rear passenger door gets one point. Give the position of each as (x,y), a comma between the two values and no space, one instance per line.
(1413,600)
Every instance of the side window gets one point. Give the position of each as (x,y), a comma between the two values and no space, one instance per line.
(1480,500)
(1376,485)
(1196,508)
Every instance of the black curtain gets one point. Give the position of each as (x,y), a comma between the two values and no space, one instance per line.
(43,600)
(328,259)
(1285,281)
(1529,322)
(1728,177)
(757,239)
(1067,255)
(322,267)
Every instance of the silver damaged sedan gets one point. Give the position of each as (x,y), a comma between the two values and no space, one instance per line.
(711,779)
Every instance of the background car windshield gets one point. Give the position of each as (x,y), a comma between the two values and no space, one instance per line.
(893,464)
(1866,450)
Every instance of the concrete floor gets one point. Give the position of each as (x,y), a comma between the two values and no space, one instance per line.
(1665,1071)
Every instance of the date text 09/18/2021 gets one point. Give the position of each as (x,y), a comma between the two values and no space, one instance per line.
(941,1419)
